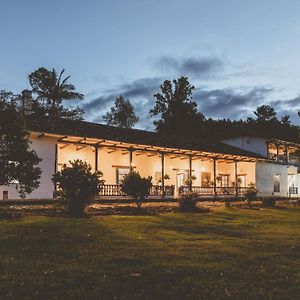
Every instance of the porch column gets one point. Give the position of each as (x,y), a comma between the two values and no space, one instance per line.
(96,158)
(287,153)
(130,160)
(277,152)
(268,151)
(190,173)
(163,174)
(55,164)
(236,178)
(215,175)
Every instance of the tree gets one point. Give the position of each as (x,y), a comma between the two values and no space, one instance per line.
(137,187)
(176,109)
(78,186)
(286,120)
(18,164)
(265,113)
(51,90)
(122,114)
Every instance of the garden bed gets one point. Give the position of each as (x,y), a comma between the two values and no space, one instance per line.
(95,209)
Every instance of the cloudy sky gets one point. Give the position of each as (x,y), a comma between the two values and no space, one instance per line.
(238,54)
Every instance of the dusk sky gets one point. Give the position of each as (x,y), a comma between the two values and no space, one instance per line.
(238,54)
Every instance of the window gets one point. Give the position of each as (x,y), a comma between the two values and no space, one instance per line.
(121,172)
(5,195)
(276,180)
(224,180)
(205,179)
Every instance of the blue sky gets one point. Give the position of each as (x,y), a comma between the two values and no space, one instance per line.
(238,54)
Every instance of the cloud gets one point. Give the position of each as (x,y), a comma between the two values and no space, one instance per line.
(229,103)
(234,104)
(140,92)
(238,103)
(293,103)
(195,67)
(288,107)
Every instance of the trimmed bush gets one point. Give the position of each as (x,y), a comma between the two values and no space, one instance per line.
(78,186)
(137,187)
(187,202)
(269,202)
(251,194)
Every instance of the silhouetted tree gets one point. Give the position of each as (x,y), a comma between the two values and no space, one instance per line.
(18,164)
(122,114)
(265,113)
(286,120)
(176,109)
(51,90)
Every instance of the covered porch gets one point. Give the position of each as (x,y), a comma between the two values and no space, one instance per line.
(173,170)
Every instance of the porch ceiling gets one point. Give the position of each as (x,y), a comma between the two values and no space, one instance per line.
(75,140)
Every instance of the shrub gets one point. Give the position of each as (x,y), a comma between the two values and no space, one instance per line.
(78,186)
(251,193)
(188,202)
(269,202)
(137,187)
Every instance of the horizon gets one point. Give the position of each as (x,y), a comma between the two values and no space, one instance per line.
(238,56)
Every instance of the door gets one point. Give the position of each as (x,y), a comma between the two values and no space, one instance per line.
(181,178)
(292,187)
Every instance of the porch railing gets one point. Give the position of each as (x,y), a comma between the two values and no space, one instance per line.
(111,190)
(156,190)
(210,190)
(115,190)
(202,190)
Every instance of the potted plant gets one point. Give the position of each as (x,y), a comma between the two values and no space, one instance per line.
(190,180)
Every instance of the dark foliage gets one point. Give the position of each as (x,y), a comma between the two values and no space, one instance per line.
(18,164)
(78,186)
(177,111)
(222,129)
(51,90)
(265,113)
(187,202)
(137,187)
(122,114)
(251,194)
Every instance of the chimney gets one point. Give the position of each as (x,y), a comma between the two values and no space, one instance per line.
(26,102)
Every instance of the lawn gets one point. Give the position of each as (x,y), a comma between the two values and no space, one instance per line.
(226,254)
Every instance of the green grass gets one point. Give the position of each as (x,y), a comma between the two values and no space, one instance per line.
(226,254)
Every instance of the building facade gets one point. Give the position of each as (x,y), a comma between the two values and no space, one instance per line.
(175,164)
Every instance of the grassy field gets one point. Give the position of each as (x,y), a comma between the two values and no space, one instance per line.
(226,254)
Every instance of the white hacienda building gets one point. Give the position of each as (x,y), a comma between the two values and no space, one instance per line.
(217,169)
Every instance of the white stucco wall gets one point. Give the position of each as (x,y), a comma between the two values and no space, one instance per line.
(45,148)
(265,173)
(253,144)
